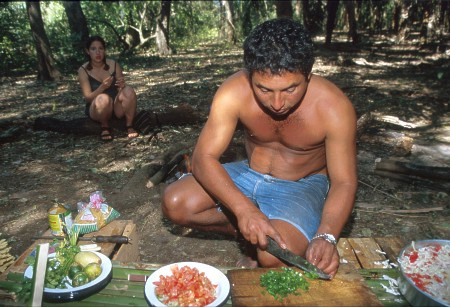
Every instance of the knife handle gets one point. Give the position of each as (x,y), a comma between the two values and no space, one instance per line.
(111,239)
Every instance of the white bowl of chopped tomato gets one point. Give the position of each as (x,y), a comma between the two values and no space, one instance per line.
(187,284)
(424,273)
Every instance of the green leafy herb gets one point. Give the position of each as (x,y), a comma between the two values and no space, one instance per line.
(58,267)
(280,284)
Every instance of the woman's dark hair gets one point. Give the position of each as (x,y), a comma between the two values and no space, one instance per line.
(88,44)
(279,45)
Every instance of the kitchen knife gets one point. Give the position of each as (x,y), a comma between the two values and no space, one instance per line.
(294,259)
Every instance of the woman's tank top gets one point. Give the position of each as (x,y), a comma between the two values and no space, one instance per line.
(111,90)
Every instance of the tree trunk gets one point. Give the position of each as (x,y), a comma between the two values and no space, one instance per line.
(284,8)
(378,22)
(77,23)
(397,15)
(230,31)
(350,8)
(162,29)
(306,14)
(444,17)
(429,27)
(332,6)
(247,18)
(405,21)
(298,8)
(46,69)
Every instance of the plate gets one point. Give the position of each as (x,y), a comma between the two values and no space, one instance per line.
(414,295)
(213,274)
(81,292)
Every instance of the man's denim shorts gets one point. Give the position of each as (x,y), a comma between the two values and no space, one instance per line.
(299,203)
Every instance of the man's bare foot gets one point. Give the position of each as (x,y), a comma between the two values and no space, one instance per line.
(247,262)
(249,254)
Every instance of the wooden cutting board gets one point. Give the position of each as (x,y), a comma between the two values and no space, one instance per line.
(347,288)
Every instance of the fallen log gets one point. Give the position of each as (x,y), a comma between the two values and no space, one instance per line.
(145,122)
(159,176)
(411,179)
(395,142)
(442,173)
(419,210)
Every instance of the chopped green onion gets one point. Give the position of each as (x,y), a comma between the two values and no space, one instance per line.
(282,283)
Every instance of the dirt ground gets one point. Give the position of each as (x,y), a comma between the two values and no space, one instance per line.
(404,88)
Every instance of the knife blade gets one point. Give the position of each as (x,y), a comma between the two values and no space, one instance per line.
(294,259)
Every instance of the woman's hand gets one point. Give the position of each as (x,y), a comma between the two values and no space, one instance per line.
(107,82)
(120,83)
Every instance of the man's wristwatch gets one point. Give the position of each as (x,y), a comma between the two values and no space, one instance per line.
(327,237)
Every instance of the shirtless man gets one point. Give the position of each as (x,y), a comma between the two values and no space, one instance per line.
(299,182)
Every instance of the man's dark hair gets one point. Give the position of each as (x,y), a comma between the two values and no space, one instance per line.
(279,45)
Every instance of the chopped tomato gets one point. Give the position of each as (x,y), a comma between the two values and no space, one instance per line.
(185,287)
(413,256)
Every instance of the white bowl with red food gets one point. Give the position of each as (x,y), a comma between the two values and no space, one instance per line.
(187,284)
(424,273)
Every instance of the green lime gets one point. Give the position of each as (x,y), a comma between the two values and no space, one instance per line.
(92,270)
(74,269)
(80,279)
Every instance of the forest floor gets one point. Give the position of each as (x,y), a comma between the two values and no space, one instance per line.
(403,87)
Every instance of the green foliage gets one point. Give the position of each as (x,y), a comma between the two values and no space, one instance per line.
(191,24)
(202,27)
(17,51)
(58,33)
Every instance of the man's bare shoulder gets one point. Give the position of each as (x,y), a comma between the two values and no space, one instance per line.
(235,89)
(237,81)
(326,93)
(330,103)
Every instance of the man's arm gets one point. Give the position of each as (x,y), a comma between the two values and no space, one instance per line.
(231,99)
(340,144)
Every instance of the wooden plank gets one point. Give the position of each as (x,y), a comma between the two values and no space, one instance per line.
(347,254)
(392,246)
(129,252)
(368,252)
(347,288)
(115,228)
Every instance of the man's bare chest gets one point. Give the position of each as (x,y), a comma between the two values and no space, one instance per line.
(295,133)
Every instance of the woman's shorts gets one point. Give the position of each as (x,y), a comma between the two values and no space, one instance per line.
(299,203)
(87,111)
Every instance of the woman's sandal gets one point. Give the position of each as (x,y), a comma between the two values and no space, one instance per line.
(131,132)
(106,135)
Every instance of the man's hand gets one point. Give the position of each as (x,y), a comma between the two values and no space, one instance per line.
(324,255)
(255,227)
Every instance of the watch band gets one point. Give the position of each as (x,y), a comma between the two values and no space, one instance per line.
(327,237)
